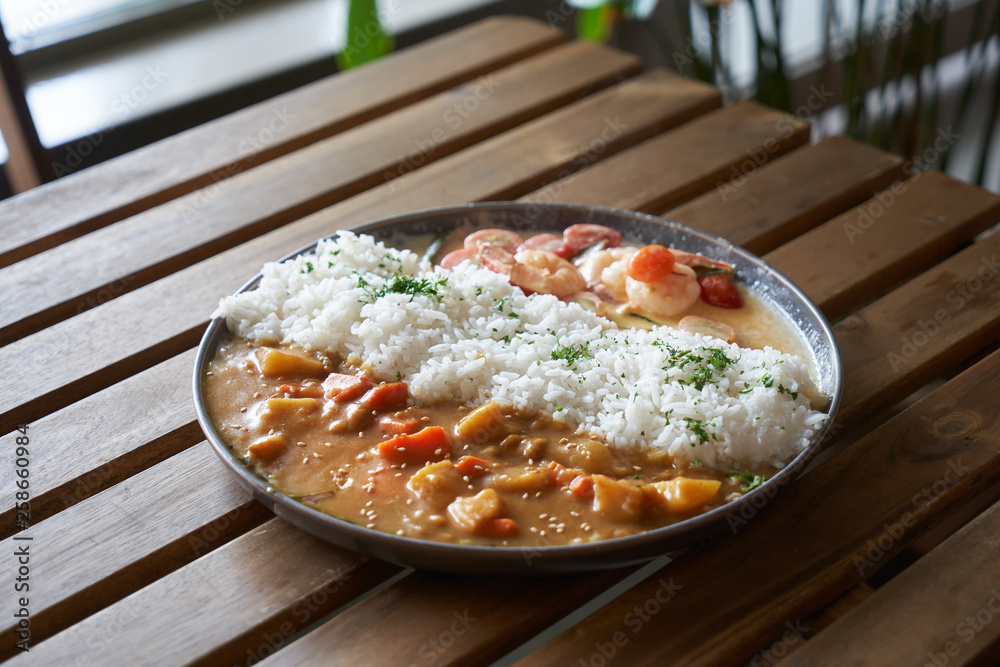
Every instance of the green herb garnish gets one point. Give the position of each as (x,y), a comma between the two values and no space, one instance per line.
(571,354)
(749,480)
(697,427)
(400,283)
(782,389)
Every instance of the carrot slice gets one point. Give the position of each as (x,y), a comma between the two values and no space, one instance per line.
(387,396)
(430,444)
(498,528)
(473,466)
(342,387)
(397,426)
(582,487)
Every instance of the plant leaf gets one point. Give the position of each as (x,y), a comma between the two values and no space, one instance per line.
(595,24)
(366,40)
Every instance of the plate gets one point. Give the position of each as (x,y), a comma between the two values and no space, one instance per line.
(534,560)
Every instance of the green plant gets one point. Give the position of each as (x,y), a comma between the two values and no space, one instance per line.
(888,56)
(366,39)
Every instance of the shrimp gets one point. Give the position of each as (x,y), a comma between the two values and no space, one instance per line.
(694,261)
(535,271)
(665,297)
(604,271)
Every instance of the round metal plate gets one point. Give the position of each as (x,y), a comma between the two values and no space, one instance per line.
(542,558)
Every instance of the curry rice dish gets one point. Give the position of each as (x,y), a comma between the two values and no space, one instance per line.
(449,404)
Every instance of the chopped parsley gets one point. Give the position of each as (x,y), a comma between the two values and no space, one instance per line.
(782,389)
(767,380)
(309,268)
(749,480)
(697,427)
(571,354)
(707,367)
(400,283)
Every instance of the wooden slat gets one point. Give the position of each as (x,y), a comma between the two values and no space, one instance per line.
(926,326)
(105,438)
(933,612)
(813,542)
(870,249)
(143,327)
(64,281)
(876,329)
(106,547)
(640,179)
(456,610)
(234,610)
(761,207)
(87,200)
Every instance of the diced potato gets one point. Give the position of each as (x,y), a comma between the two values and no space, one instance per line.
(482,424)
(268,448)
(617,500)
(682,495)
(280,410)
(472,512)
(534,448)
(518,479)
(437,484)
(275,362)
(589,455)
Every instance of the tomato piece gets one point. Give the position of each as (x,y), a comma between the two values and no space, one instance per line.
(430,444)
(473,466)
(718,290)
(650,264)
(548,242)
(500,238)
(498,528)
(578,237)
(397,426)
(456,257)
(342,387)
(387,396)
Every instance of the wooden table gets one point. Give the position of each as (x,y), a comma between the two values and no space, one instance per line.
(144,551)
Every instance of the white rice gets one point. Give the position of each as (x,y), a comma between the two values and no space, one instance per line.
(482,339)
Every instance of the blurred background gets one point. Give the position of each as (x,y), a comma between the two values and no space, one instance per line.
(85,80)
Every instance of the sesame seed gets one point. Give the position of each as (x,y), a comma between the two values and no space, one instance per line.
(243,409)
(371,525)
